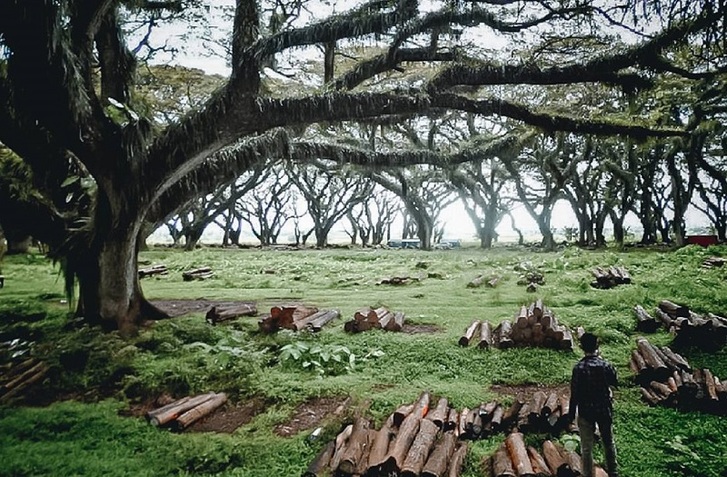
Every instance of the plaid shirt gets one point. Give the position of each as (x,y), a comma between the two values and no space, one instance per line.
(589,389)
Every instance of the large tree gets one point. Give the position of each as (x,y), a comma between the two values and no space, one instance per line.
(68,104)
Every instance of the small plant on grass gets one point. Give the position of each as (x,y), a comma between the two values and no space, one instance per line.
(323,359)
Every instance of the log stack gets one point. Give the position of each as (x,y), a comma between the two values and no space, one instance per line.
(153,270)
(19,377)
(714,262)
(706,331)
(417,440)
(533,326)
(217,314)
(296,318)
(380,318)
(182,413)
(609,277)
(202,273)
(515,459)
(667,379)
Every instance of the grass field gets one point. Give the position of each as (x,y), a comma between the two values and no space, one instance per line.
(84,427)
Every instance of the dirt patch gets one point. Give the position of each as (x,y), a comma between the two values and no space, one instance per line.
(416,329)
(229,417)
(175,308)
(311,413)
(525,392)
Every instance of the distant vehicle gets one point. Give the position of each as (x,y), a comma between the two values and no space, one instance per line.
(404,243)
(446,244)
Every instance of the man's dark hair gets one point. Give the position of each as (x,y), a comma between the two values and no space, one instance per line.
(589,342)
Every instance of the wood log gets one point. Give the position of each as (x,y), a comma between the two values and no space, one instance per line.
(436,465)
(201,273)
(497,417)
(664,318)
(485,335)
(557,465)
(651,358)
(521,319)
(474,424)
(709,385)
(662,390)
(469,333)
(317,324)
(320,464)
(567,341)
(523,421)
(599,472)
(357,444)
(462,423)
(341,442)
(163,409)
(421,405)
(375,316)
(649,396)
(22,377)
(564,404)
(362,314)
(217,313)
(492,282)
(452,420)
(380,446)
(301,322)
(519,455)
(645,322)
(153,270)
(504,338)
(401,412)
(172,413)
(510,415)
(396,323)
(439,413)
(573,460)
(455,465)
(674,310)
(30,377)
(536,406)
(501,463)
(639,365)
(196,413)
(362,466)
(538,309)
(676,358)
(537,462)
(399,448)
(476,282)
(420,448)
(550,405)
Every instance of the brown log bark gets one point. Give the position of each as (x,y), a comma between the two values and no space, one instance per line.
(341,443)
(497,417)
(504,338)
(320,464)
(521,319)
(485,335)
(462,423)
(24,376)
(455,465)
(645,322)
(536,406)
(676,358)
(474,423)
(362,314)
(396,323)
(217,314)
(557,465)
(439,413)
(651,357)
(399,448)
(200,411)
(401,412)
(600,472)
(452,420)
(662,389)
(420,448)
(436,465)
(567,341)
(163,409)
(563,421)
(317,324)
(512,412)
(362,465)
(519,455)
(357,444)
(573,460)
(674,310)
(501,463)
(709,385)
(469,333)
(664,318)
(380,446)
(551,404)
(540,467)
(639,365)
(649,396)
(173,413)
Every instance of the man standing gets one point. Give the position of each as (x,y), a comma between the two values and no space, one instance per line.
(590,395)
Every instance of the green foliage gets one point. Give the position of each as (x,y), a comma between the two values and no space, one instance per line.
(323,359)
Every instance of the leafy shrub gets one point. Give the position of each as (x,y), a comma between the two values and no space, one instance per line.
(322,359)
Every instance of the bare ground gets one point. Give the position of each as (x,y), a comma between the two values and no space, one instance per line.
(312,413)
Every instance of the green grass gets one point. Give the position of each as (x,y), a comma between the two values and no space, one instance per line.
(105,375)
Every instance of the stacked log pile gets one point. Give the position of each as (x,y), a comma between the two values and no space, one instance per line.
(542,413)
(153,270)
(534,326)
(707,331)
(297,318)
(217,314)
(182,413)
(416,440)
(609,277)
(17,378)
(515,459)
(380,318)
(667,379)
(202,273)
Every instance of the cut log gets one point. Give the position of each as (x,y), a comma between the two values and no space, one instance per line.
(301,322)
(455,465)
(436,465)
(550,405)
(665,319)
(651,357)
(649,396)
(362,466)
(200,411)
(709,385)
(315,325)
(341,442)
(573,460)
(217,314)
(557,465)
(497,416)
(355,447)
(19,379)
(540,467)
(638,363)
(439,413)
(511,414)
(492,282)
(470,333)
(521,319)
(399,448)
(380,446)
(163,409)
(674,310)
(462,423)
(173,413)
(676,358)
(420,448)
(24,381)
(202,273)
(485,335)
(153,270)
(504,339)
(401,412)
(320,464)
(501,463)
(519,455)
(536,406)
(396,323)
(476,282)
(645,322)
(452,420)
